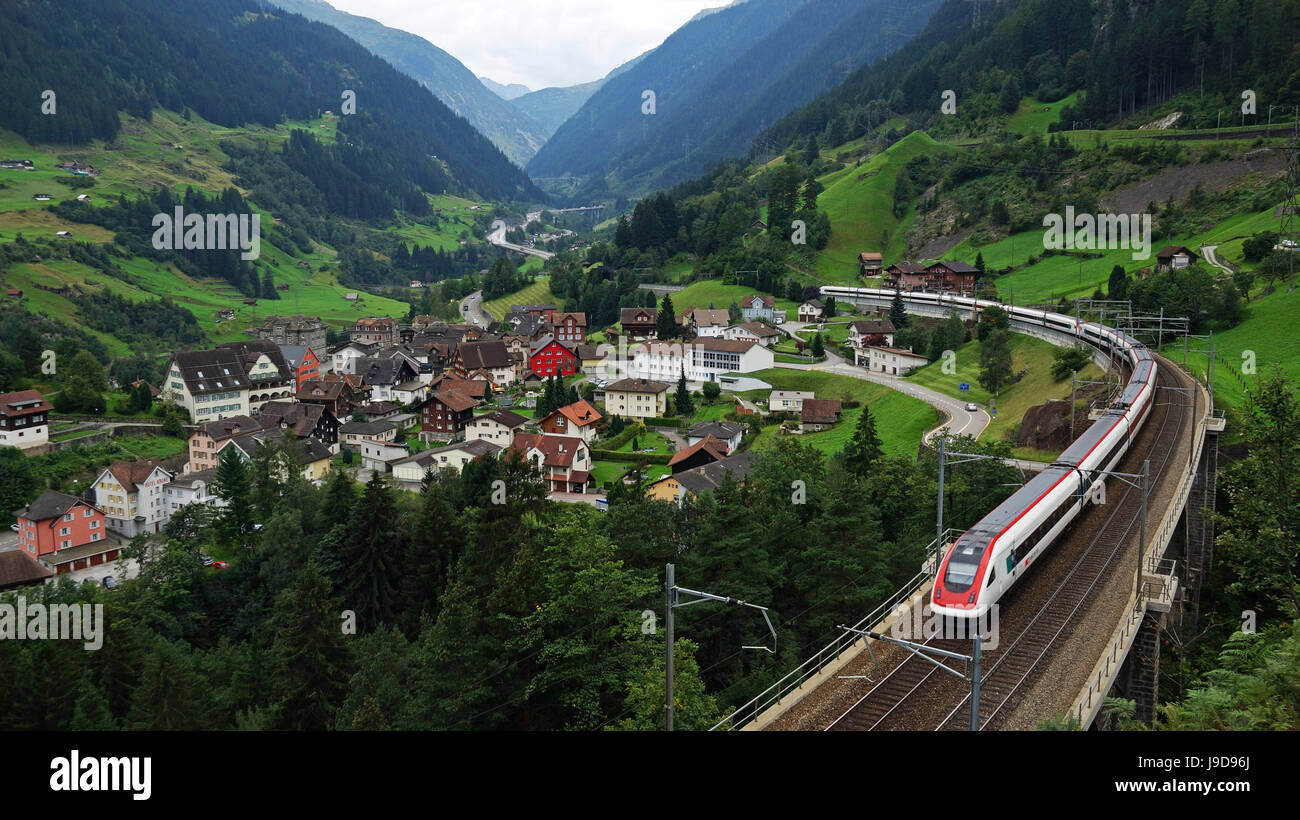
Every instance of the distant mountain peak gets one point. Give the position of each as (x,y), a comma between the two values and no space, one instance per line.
(505,92)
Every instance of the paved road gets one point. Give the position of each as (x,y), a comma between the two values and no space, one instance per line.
(961,422)
(471,308)
(498,237)
(1208,252)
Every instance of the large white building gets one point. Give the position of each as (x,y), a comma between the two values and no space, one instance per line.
(132,496)
(210,384)
(24,419)
(704,359)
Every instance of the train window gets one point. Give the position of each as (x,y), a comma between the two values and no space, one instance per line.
(993,574)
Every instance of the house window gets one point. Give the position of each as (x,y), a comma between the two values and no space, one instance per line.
(68,517)
(87,513)
(65,531)
(64,544)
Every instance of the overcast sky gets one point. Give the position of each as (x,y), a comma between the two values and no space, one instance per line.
(559,42)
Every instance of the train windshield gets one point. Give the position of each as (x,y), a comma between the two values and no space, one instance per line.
(963,563)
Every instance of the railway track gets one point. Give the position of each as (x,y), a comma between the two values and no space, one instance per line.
(1034,623)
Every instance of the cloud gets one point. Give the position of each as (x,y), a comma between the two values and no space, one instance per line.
(561,42)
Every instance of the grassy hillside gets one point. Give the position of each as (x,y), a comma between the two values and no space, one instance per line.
(720,295)
(859,201)
(538,293)
(900,420)
(1037,386)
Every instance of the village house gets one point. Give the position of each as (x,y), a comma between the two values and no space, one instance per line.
(787,401)
(704,451)
(343,358)
(543,312)
(871,333)
(334,396)
(302,363)
(637,398)
(870,263)
(209,384)
(565,461)
(577,419)
(706,322)
(380,455)
(208,438)
(352,433)
(489,360)
(812,310)
(704,359)
(639,323)
(18,569)
(953,276)
(1174,257)
(906,276)
(498,427)
(65,533)
(131,495)
(757,307)
(570,328)
(446,414)
(819,414)
(410,471)
(268,374)
(591,359)
(373,330)
(729,433)
(24,419)
(312,456)
(753,332)
(675,487)
(296,330)
(550,357)
(191,488)
(303,420)
(890,360)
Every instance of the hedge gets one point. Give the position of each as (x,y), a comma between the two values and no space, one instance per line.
(658,422)
(624,437)
(616,455)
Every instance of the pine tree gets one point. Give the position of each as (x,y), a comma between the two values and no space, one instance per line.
(864,449)
(666,321)
(897,313)
(818,346)
(372,567)
(233,485)
(685,406)
(312,661)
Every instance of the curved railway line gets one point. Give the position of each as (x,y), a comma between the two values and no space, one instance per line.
(1037,617)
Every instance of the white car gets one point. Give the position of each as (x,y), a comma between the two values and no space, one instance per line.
(971,407)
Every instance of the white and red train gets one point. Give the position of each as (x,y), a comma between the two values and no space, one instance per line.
(990,557)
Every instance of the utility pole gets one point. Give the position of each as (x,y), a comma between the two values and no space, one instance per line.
(672,601)
(1146,475)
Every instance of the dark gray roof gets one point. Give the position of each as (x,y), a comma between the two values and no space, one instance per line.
(712,476)
(367,428)
(309,448)
(48,504)
(506,417)
(718,429)
(212,371)
(294,354)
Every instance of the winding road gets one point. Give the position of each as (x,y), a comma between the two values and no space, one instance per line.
(498,237)
(471,307)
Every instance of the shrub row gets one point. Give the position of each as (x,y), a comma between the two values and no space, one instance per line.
(615,455)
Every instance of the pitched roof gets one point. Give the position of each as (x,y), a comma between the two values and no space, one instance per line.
(580,319)
(580,413)
(478,448)
(17,568)
(712,476)
(708,444)
(49,504)
(557,451)
(633,315)
(222,429)
(253,349)
(309,448)
(724,345)
(706,317)
(820,411)
(22,403)
(455,400)
(474,388)
(1169,250)
(637,386)
(317,390)
(507,418)
(869,326)
(131,473)
(367,428)
(212,371)
(488,355)
(543,342)
(294,354)
(759,329)
(957,266)
(767,301)
(907,267)
(718,429)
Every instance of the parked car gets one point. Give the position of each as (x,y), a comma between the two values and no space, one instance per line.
(221,564)
(13,527)
(206,560)
(109,582)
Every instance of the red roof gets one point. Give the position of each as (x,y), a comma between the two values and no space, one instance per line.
(580,413)
(22,403)
(557,451)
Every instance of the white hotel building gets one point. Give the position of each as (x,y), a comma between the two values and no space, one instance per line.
(705,359)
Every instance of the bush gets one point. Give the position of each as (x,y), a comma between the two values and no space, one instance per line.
(614,455)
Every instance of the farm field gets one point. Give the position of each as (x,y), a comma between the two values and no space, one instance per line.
(702,294)
(538,293)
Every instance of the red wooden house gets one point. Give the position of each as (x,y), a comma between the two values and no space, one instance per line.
(548,357)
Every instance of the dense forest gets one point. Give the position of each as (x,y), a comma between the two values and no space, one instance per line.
(234,62)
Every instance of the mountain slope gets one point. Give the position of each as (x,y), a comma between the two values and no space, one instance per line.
(513,132)
(505,92)
(551,107)
(718,80)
